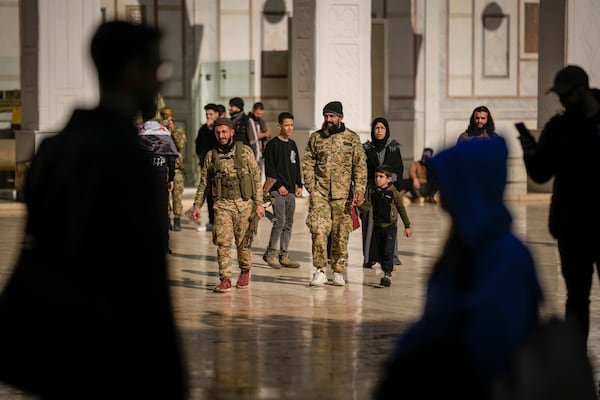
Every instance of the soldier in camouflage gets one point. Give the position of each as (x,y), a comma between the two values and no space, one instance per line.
(231,174)
(335,174)
(167,116)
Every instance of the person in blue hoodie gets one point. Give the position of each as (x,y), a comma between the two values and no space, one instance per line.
(483,294)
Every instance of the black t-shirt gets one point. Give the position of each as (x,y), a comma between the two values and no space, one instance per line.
(282,162)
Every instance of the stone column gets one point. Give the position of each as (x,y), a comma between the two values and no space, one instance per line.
(330,60)
(56,70)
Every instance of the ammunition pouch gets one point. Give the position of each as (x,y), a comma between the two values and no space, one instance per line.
(247,186)
(241,185)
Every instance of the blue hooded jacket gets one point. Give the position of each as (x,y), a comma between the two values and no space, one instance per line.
(483,295)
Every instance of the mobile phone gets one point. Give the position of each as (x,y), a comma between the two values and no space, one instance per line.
(523,131)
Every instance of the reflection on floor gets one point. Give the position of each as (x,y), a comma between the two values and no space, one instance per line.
(281,338)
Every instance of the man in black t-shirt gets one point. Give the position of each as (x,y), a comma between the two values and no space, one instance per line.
(282,164)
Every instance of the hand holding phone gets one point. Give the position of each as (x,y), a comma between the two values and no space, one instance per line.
(525,137)
(523,131)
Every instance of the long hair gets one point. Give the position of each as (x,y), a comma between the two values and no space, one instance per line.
(489,126)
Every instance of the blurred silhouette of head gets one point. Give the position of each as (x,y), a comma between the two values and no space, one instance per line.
(128,62)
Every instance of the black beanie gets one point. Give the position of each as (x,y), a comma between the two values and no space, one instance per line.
(334,107)
(238,102)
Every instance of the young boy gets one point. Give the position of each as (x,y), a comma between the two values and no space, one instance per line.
(387,205)
(282,169)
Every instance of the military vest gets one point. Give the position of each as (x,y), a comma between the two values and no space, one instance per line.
(231,187)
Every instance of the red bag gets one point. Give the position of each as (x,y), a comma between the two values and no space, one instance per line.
(355,218)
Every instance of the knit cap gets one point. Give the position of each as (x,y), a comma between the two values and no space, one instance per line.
(334,107)
(238,102)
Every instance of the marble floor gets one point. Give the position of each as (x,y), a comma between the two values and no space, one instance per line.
(282,339)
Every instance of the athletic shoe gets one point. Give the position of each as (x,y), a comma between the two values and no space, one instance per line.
(338,279)
(224,286)
(244,280)
(319,278)
(205,228)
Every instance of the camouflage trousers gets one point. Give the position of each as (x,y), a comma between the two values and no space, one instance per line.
(329,217)
(232,222)
(176,205)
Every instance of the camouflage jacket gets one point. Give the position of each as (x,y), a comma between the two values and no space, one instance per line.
(180,139)
(331,164)
(226,166)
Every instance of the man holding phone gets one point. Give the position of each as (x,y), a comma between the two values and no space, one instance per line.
(569,150)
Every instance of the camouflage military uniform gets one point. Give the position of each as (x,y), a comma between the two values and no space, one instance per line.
(333,166)
(176,206)
(232,212)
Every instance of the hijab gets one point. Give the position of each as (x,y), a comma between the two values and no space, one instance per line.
(379,144)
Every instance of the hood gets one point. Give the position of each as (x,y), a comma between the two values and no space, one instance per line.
(472,177)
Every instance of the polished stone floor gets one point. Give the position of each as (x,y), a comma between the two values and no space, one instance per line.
(282,339)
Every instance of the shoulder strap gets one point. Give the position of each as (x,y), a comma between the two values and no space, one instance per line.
(216,160)
(239,156)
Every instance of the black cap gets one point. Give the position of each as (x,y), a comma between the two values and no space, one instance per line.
(334,107)
(569,78)
(238,102)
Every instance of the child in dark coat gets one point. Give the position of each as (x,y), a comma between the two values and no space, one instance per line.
(387,205)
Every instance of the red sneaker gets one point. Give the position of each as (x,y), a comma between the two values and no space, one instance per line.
(224,286)
(244,280)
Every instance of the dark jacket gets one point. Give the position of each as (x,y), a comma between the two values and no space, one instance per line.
(240,126)
(392,157)
(160,148)
(205,142)
(569,151)
(387,206)
(88,311)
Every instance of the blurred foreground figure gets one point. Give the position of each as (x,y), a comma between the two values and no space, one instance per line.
(483,293)
(568,150)
(87,313)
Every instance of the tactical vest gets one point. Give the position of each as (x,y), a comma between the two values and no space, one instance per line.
(240,185)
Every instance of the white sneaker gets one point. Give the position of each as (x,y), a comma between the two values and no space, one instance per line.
(205,228)
(319,278)
(338,279)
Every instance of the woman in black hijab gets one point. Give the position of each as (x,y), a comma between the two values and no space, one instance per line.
(379,150)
